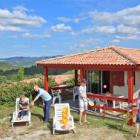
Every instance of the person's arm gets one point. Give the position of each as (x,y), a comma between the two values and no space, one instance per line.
(36,98)
(19,107)
(26,106)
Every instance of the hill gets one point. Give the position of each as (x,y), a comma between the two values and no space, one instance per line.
(6,66)
(22,61)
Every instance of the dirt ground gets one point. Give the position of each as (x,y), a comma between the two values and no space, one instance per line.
(59,79)
(42,131)
(98,129)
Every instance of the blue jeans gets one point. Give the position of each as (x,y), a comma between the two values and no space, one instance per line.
(22,113)
(46,109)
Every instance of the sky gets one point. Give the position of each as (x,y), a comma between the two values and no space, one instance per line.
(61,27)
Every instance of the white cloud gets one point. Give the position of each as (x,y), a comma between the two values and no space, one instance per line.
(127,29)
(119,29)
(129,37)
(10,28)
(123,22)
(128,16)
(67,19)
(20,8)
(100,29)
(61,28)
(18,19)
(115,41)
(84,45)
(31,35)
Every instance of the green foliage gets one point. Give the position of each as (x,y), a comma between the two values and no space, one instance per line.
(69,82)
(6,66)
(11,90)
(29,71)
(52,82)
(3,79)
(20,74)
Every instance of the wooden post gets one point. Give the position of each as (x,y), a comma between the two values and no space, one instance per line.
(82,75)
(130,78)
(130,86)
(46,82)
(76,77)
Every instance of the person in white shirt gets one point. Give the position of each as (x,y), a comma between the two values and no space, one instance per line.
(83,104)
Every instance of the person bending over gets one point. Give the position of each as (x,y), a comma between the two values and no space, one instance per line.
(47,99)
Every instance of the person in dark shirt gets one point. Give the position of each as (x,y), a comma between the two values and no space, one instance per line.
(23,107)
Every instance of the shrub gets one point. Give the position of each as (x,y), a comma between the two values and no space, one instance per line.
(20,74)
(69,82)
(52,82)
(11,90)
(3,79)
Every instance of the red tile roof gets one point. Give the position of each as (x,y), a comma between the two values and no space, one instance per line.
(112,55)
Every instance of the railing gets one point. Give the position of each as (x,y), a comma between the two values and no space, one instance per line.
(105,98)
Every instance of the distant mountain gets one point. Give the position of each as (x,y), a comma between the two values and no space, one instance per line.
(22,61)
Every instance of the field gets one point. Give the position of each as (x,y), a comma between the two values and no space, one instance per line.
(98,129)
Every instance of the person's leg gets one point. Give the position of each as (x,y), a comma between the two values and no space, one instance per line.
(136,129)
(47,110)
(85,116)
(85,111)
(81,109)
(24,113)
(44,110)
(19,115)
(80,117)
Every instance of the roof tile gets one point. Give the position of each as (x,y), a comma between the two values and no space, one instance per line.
(112,55)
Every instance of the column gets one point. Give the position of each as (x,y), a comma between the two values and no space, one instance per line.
(82,74)
(130,86)
(76,77)
(130,75)
(46,82)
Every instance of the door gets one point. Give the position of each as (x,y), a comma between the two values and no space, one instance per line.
(105,81)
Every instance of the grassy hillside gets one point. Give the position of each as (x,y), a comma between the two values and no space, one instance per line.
(6,66)
(9,67)
(24,61)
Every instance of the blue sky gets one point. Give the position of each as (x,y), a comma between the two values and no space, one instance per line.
(60,27)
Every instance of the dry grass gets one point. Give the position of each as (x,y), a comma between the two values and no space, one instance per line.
(98,129)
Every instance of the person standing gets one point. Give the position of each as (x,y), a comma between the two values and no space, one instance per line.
(47,99)
(137,125)
(83,104)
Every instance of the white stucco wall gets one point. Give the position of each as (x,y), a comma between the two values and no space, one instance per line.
(123,90)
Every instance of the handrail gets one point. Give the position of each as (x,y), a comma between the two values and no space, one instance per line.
(123,99)
(105,98)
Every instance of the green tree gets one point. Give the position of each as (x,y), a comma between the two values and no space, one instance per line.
(20,74)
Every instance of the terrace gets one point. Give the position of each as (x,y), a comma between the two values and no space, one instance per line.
(112,69)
